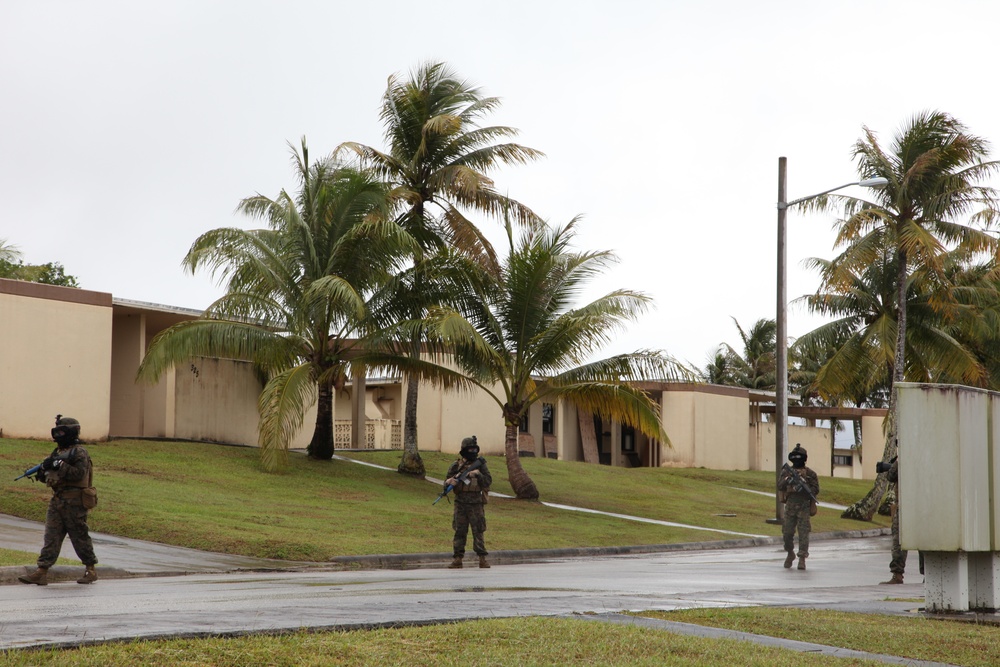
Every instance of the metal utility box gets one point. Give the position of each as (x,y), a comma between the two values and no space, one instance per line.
(948,439)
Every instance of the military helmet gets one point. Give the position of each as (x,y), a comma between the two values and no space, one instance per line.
(66,430)
(798,455)
(470,448)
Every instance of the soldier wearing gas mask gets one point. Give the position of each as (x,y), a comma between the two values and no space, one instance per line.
(68,472)
(796,484)
(470,499)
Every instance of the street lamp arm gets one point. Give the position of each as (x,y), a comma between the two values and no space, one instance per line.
(868,183)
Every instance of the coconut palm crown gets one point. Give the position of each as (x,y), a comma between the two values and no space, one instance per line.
(296,296)
(438,162)
(522,340)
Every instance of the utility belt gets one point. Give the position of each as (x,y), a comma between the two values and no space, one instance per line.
(69,492)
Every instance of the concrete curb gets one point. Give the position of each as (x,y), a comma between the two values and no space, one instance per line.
(70,573)
(410,561)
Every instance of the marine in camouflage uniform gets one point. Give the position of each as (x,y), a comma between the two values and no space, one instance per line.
(67,471)
(470,501)
(897,566)
(798,506)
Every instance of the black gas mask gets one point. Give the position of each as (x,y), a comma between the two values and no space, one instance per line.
(470,449)
(66,431)
(798,457)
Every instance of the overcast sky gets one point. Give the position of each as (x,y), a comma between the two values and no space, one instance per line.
(129,128)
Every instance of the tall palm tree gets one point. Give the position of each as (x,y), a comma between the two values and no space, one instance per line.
(934,202)
(862,335)
(296,295)
(524,327)
(438,162)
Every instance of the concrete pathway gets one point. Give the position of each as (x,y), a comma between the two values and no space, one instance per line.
(123,557)
(842,574)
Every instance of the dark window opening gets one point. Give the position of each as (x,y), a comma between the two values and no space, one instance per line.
(548,419)
(628,439)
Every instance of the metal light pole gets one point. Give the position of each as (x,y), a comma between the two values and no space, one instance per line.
(781,332)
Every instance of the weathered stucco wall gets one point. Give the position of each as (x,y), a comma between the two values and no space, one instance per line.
(708,426)
(55,359)
(217,399)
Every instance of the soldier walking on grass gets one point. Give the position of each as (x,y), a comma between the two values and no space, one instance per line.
(799,505)
(68,472)
(470,501)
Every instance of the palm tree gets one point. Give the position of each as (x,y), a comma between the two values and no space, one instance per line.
(521,340)
(752,368)
(934,202)
(296,296)
(438,161)
(862,335)
(9,252)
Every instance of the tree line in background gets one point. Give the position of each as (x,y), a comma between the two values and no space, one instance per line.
(12,266)
(914,293)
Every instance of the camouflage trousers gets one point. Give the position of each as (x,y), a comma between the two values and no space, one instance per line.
(898,563)
(66,516)
(469,515)
(797,519)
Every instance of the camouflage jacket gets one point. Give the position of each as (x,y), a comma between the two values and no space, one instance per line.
(74,472)
(787,485)
(477,486)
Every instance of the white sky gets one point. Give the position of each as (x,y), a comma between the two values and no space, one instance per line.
(129,128)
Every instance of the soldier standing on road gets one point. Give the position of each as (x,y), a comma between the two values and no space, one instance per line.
(897,566)
(68,472)
(470,501)
(798,505)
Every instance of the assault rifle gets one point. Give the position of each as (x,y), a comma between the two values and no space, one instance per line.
(31,473)
(798,483)
(34,473)
(461,479)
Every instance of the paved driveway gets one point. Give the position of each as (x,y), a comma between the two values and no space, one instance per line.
(842,574)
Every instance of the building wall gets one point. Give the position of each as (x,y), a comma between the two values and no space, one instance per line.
(444,418)
(872,444)
(216,400)
(128,339)
(55,358)
(708,426)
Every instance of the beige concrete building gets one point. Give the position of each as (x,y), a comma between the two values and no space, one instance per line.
(76,352)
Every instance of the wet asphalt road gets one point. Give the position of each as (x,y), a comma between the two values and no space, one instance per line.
(842,573)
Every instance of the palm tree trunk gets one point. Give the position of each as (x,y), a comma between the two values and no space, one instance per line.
(321,446)
(865,509)
(411,463)
(524,488)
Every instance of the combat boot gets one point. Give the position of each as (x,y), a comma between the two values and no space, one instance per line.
(456,563)
(802,562)
(483,562)
(39,577)
(897,578)
(89,576)
(789,559)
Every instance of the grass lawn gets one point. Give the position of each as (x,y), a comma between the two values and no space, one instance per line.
(217,498)
(953,642)
(12,557)
(560,641)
